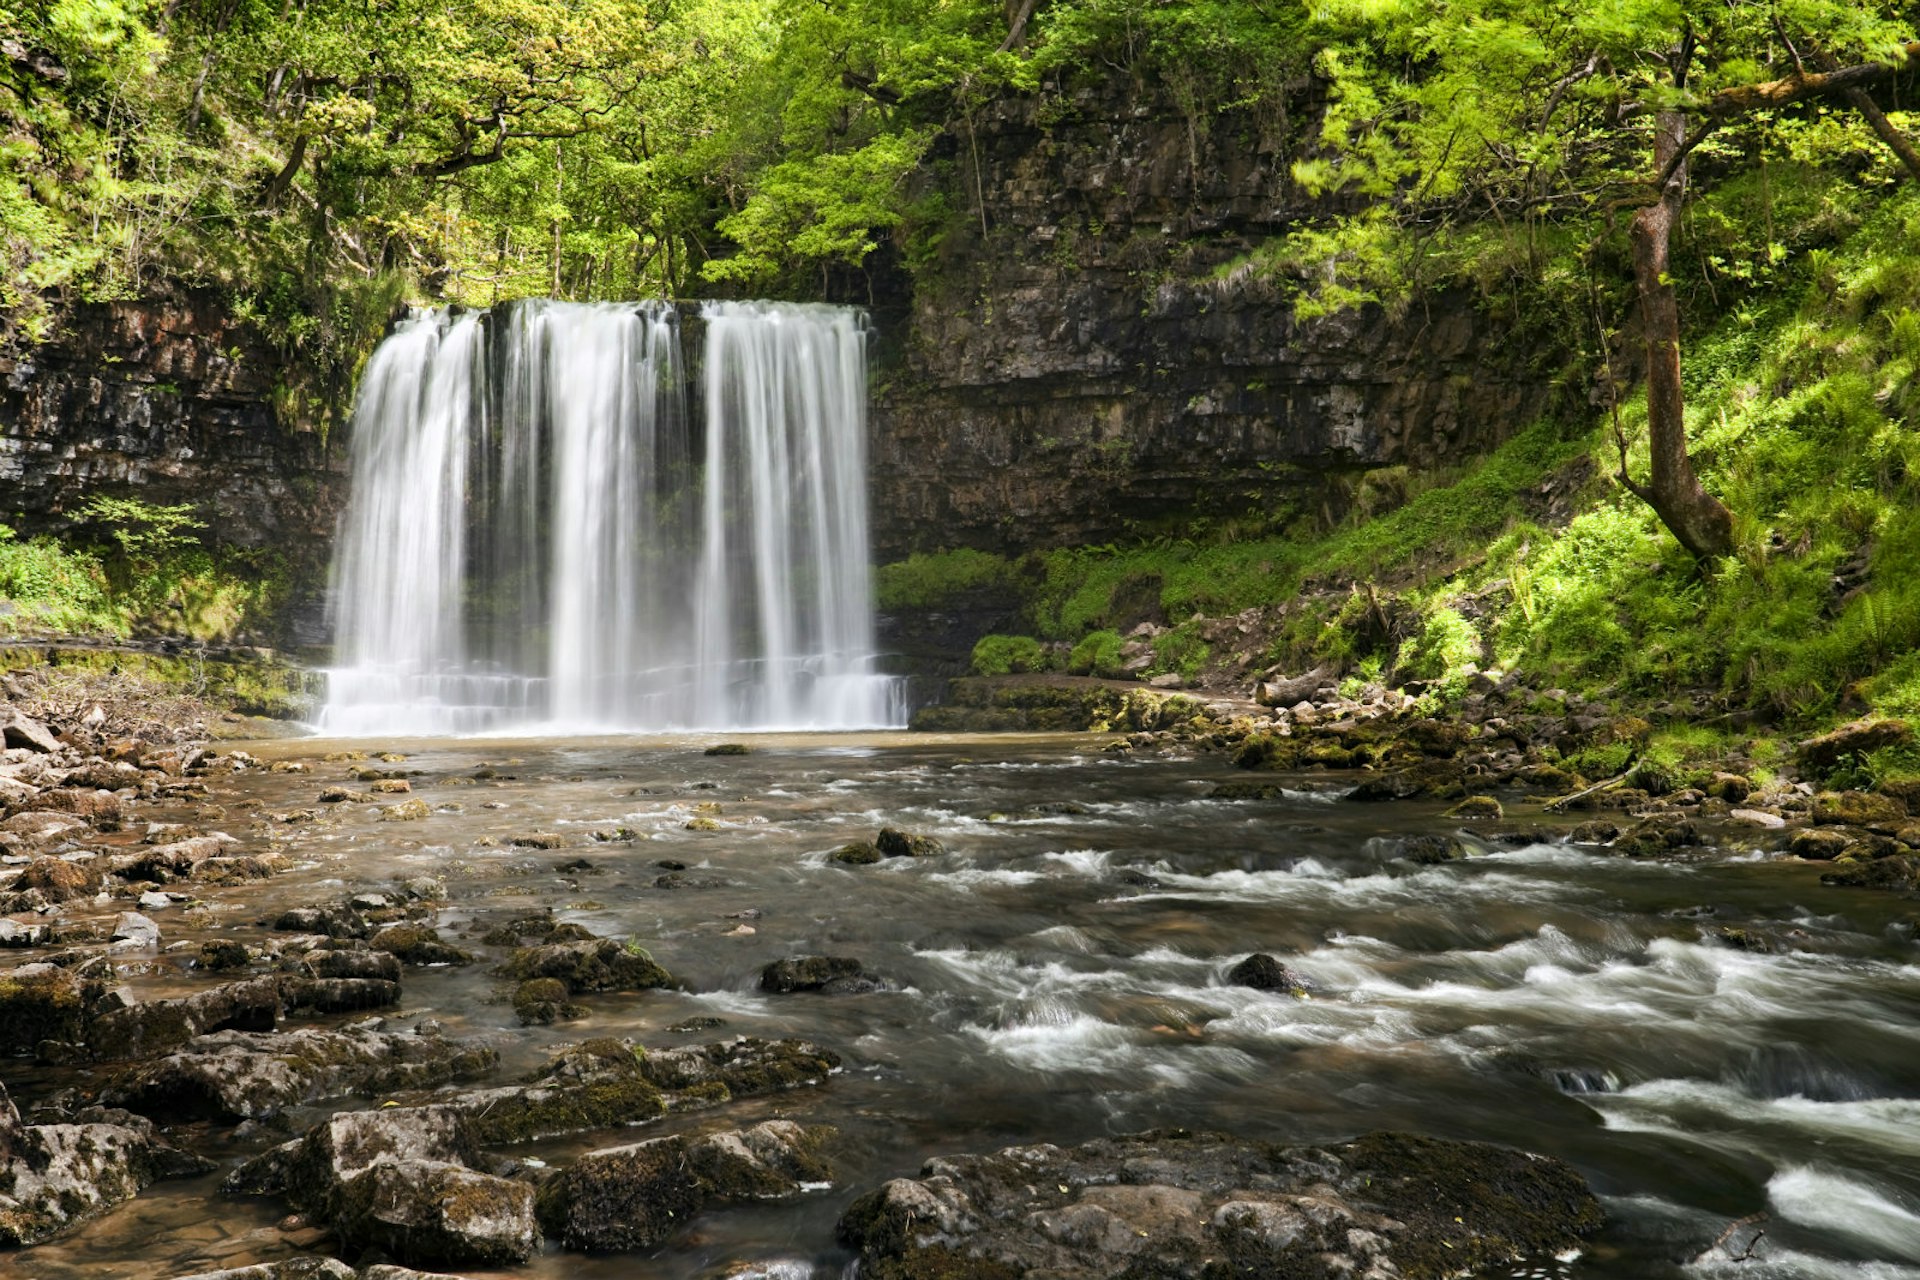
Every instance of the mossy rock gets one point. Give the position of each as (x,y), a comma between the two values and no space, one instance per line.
(858,854)
(599,964)
(42,1004)
(418,944)
(1901,872)
(539,1001)
(1859,809)
(729,749)
(1476,808)
(894,843)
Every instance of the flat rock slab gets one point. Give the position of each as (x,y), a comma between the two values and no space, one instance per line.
(238,1075)
(634,1196)
(54,1176)
(1176,1204)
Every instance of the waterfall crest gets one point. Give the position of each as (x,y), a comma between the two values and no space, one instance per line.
(542,533)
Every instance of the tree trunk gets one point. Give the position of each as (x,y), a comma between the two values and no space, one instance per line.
(1698,519)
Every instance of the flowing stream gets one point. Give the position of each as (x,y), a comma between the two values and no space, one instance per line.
(1061,974)
(545,529)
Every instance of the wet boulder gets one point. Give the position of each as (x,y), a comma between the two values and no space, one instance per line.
(596,1085)
(436,1211)
(1476,808)
(635,1196)
(57,879)
(133,931)
(240,1075)
(810,973)
(102,810)
(594,964)
(1595,831)
(858,854)
(1262,972)
(1174,1204)
(538,1001)
(1659,836)
(418,944)
(895,843)
(158,1026)
(743,1067)
(54,1176)
(335,921)
(340,963)
(42,1002)
(176,860)
(1429,850)
(304,1268)
(1900,872)
(1879,813)
(338,995)
(535,930)
(406,1180)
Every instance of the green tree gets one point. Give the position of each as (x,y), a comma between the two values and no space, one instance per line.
(1444,115)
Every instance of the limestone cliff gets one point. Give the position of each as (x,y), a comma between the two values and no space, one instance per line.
(1098,360)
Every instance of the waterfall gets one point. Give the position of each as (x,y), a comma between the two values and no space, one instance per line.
(541,536)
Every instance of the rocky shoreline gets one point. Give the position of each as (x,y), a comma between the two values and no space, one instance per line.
(1500,762)
(280,1041)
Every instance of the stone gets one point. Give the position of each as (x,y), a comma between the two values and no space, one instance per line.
(538,1001)
(242,1075)
(302,1268)
(57,879)
(41,1002)
(807,973)
(859,854)
(391,787)
(100,809)
(160,864)
(537,840)
(632,1197)
(1184,1205)
(1758,818)
(1285,691)
(336,921)
(1657,837)
(135,931)
(1262,972)
(339,995)
(406,1180)
(1900,872)
(1429,850)
(1859,809)
(159,1026)
(600,1084)
(894,843)
(744,1067)
(406,811)
(729,749)
(55,1176)
(222,954)
(23,731)
(1475,808)
(1818,843)
(1731,787)
(1851,741)
(331,963)
(436,1211)
(418,944)
(597,964)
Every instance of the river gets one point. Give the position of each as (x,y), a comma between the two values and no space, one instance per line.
(1061,974)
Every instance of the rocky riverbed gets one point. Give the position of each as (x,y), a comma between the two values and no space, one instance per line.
(956,1006)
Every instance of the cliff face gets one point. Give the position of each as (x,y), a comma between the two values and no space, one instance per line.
(171,400)
(1099,361)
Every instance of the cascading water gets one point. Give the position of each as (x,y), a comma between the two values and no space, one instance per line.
(540,534)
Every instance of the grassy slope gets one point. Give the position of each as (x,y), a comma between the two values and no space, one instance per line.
(1805,415)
